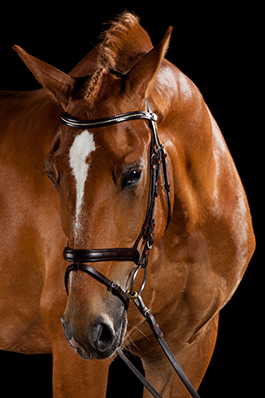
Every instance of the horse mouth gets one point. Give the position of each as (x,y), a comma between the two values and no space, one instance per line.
(77,347)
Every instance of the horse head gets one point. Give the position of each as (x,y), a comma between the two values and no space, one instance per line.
(102,175)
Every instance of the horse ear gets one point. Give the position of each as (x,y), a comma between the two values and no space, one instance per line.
(141,78)
(56,82)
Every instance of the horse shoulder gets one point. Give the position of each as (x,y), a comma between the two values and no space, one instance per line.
(210,204)
(230,215)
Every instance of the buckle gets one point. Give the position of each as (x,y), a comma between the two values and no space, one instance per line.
(153,117)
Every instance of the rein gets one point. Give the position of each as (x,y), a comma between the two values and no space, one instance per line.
(77,257)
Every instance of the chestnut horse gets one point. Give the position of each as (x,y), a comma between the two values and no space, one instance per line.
(102,178)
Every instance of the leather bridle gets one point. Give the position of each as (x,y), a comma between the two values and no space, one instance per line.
(158,158)
(78,257)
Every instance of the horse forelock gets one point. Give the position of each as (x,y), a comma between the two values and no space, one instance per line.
(122,45)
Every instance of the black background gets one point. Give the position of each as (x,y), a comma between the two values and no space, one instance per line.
(219,47)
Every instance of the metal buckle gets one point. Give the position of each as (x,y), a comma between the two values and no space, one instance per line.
(153,117)
(132,295)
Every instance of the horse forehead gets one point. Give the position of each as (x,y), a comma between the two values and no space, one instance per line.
(80,150)
(117,141)
(82,146)
(121,140)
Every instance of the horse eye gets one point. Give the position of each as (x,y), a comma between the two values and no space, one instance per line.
(50,177)
(52,172)
(134,176)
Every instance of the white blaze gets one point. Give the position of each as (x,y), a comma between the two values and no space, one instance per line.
(81,148)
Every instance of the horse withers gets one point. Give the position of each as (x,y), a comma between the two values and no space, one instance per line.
(100,191)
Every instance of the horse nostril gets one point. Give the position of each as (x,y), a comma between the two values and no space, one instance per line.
(105,336)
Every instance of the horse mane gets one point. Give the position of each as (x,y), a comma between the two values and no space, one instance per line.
(122,45)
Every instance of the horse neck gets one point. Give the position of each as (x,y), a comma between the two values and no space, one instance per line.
(186,132)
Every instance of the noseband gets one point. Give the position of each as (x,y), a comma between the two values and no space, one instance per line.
(158,158)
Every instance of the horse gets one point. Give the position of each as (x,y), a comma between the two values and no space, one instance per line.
(97,199)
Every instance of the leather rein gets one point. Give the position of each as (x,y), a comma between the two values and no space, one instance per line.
(78,257)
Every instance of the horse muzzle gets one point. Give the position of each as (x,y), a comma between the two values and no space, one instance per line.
(99,340)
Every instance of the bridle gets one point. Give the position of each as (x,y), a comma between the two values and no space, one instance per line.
(79,257)
(158,158)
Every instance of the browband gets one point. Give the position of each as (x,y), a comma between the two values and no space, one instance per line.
(69,121)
